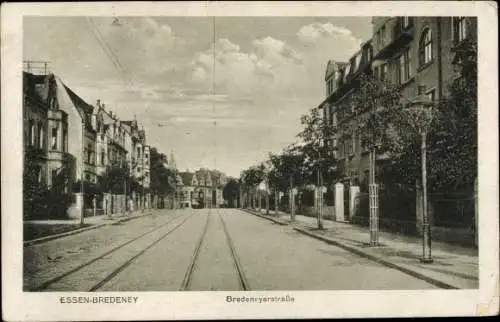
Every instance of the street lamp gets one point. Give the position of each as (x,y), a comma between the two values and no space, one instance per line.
(422,116)
(373,193)
(82,172)
(319,189)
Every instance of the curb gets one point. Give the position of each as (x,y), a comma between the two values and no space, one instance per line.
(379,260)
(77,231)
(265,217)
(125,219)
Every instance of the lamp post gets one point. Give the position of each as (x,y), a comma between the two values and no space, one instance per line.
(82,171)
(422,111)
(319,191)
(373,194)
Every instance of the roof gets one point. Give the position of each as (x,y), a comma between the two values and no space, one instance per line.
(187,178)
(203,174)
(83,107)
(36,87)
(333,66)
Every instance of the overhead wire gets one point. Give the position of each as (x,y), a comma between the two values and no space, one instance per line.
(109,52)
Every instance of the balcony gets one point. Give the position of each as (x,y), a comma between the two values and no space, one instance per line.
(401,33)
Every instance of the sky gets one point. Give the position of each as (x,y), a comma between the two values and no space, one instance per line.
(220,92)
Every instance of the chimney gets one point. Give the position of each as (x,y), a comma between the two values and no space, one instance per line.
(98,103)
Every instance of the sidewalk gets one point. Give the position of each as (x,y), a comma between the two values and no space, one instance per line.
(453,267)
(37,231)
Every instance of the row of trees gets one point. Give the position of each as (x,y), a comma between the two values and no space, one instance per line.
(386,123)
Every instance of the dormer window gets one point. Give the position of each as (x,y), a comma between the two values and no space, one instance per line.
(460,29)
(406,22)
(382,35)
(357,62)
(346,71)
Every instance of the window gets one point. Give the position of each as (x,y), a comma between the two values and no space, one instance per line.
(357,61)
(376,73)
(425,47)
(32,132)
(54,138)
(383,72)
(459,29)
(431,95)
(406,22)
(89,152)
(40,174)
(382,35)
(103,158)
(421,89)
(65,139)
(350,145)
(404,67)
(347,70)
(330,86)
(40,135)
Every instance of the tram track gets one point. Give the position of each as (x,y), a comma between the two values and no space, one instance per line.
(45,285)
(188,277)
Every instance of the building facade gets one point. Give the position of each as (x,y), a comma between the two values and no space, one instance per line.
(417,53)
(67,140)
(201,189)
(46,134)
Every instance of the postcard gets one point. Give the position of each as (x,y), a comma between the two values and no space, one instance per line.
(221,160)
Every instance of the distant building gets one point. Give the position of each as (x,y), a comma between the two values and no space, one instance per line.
(201,189)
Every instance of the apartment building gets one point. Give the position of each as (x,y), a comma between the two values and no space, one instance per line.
(46,133)
(68,140)
(417,53)
(342,80)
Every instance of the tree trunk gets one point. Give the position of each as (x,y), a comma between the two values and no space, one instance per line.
(267,203)
(276,201)
(292,201)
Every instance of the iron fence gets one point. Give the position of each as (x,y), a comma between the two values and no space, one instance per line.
(453,210)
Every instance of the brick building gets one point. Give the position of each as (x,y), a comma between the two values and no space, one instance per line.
(419,55)
(415,52)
